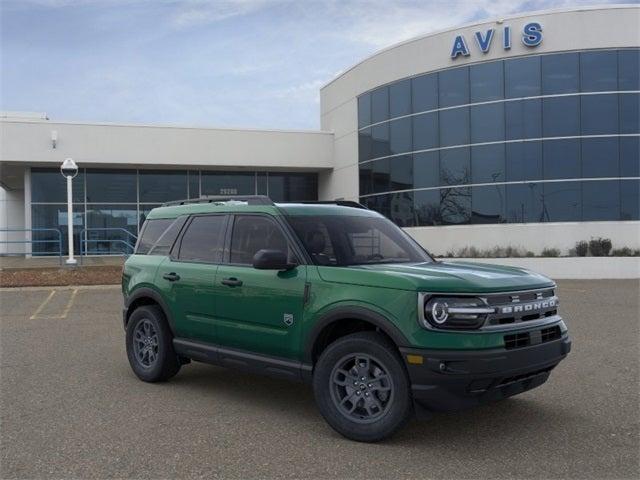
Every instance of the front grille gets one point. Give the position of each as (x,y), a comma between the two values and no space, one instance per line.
(519,340)
(518,307)
(525,376)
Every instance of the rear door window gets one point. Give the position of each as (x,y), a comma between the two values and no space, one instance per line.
(255,232)
(203,240)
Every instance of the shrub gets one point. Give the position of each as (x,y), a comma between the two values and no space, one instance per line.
(625,252)
(582,248)
(550,252)
(600,247)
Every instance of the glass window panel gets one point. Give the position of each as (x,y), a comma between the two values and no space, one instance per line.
(111,186)
(380,105)
(365,144)
(49,186)
(364,110)
(165,242)
(561,116)
(601,200)
(228,183)
(522,77)
(400,98)
(560,73)
(380,141)
(401,172)
(112,222)
(630,199)
(599,114)
(562,202)
(523,161)
(488,204)
(401,207)
(561,159)
(293,187)
(381,175)
(630,156)
(523,119)
(453,87)
(400,135)
(425,131)
(524,203)
(426,206)
(162,186)
(487,123)
(455,205)
(366,178)
(426,168)
(455,166)
(600,157)
(487,81)
(252,233)
(629,113)
(629,70)
(487,164)
(55,217)
(203,239)
(151,233)
(194,184)
(454,127)
(599,71)
(424,92)
(262,184)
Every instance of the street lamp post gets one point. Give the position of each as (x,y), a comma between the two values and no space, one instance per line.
(69,169)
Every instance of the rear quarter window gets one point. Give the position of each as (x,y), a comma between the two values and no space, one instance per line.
(150,234)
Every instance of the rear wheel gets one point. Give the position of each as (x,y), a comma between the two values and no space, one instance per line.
(150,345)
(361,387)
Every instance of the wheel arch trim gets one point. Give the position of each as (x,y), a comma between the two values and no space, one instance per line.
(352,313)
(146,292)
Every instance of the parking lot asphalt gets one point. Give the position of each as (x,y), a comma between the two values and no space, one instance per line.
(71,407)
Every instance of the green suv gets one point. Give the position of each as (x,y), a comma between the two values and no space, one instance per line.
(336,295)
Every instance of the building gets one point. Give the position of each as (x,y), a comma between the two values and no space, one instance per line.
(522,131)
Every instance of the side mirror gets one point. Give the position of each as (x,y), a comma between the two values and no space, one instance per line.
(271,260)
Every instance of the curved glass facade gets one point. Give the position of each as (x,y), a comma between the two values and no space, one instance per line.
(541,138)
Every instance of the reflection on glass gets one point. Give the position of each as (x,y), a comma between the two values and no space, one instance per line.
(454,127)
(522,77)
(598,71)
(400,135)
(454,87)
(400,98)
(629,69)
(630,157)
(54,217)
(364,110)
(488,204)
(562,202)
(487,81)
(364,145)
(560,73)
(107,227)
(380,141)
(455,167)
(487,164)
(523,161)
(455,205)
(487,123)
(425,131)
(523,119)
(561,159)
(401,172)
(293,187)
(561,116)
(194,184)
(630,199)
(524,203)
(427,207)
(629,113)
(380,105)
(426,169)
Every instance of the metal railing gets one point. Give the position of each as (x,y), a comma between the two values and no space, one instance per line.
(31,241)
(128,242)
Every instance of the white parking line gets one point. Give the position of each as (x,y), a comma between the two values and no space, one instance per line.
(42,305)
(60,316)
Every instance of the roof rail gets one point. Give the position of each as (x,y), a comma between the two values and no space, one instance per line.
(250,199)
(342,203)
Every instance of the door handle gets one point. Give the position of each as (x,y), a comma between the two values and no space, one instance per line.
(172,277)
(232,282)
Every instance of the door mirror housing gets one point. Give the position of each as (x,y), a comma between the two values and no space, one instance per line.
(271,260)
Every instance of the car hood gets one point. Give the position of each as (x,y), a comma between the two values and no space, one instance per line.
(461,277)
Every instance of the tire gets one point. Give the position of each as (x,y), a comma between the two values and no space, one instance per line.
(150,345)
(383,404)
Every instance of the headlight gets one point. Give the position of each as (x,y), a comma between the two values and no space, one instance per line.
(455,312)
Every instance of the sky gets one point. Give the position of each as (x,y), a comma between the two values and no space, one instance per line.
(219,63)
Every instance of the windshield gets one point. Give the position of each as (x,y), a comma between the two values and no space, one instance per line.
(337,240)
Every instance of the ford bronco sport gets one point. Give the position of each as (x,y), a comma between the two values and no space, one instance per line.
(336,295)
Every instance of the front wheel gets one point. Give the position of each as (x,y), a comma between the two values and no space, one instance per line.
(150,345)
(361,387)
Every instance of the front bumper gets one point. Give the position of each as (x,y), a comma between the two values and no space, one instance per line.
(449,380)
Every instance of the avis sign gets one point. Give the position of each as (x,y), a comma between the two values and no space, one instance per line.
(531,37)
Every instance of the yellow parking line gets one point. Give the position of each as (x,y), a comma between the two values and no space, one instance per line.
(60,316)
(42,305)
